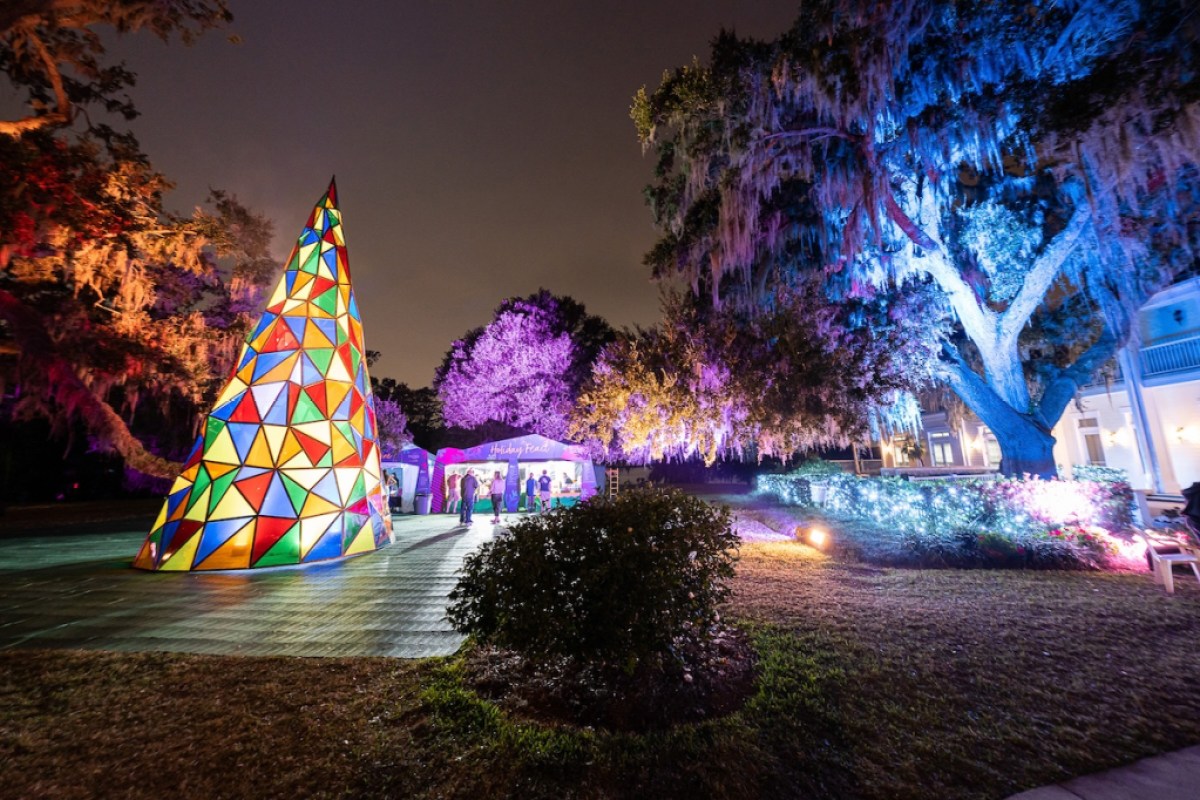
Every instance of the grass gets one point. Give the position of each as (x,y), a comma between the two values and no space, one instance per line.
(875,683)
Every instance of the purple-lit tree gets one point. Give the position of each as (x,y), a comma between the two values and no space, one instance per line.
(524,369)
(1037,163)
(392,424)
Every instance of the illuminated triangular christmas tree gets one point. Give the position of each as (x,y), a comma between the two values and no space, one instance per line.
(286,469)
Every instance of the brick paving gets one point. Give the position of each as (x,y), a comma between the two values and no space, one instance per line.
(78,591)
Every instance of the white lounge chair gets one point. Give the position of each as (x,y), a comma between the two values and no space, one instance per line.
(1164,554)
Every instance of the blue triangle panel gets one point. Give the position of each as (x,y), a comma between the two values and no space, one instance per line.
(247,357)
(217,533)
(243,437)
(278,413)
(268,361)
(327,488)
(174,500)
(342,412)
(277,503)
(168,532)
(224,411)
(297,326)
(263,324)
(309,372)
(248,472)
(327,327)
(330,545)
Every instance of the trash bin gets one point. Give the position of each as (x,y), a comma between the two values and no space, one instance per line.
(421,502)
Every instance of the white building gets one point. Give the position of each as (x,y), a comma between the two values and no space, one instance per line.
(1147,421)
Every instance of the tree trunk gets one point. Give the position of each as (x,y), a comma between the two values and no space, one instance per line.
(1027,452)
(1026,446)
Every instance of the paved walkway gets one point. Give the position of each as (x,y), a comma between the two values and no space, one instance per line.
(78,591)
(1174,776)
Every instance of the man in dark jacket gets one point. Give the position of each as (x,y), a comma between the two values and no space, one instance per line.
(470,486)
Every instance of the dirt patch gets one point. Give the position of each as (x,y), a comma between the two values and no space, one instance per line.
(653,697)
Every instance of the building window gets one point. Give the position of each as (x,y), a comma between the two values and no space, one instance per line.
(941,449)
(1089,436)
(991,446)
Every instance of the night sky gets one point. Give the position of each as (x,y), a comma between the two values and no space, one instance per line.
(482,149)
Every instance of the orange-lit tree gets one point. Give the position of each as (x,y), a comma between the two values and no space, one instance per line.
(111,309)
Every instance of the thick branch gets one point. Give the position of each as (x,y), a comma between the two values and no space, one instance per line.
(1043,274)
(61,114)
(805,133)
(978,396)
(905,223)
(69,392)
(977,320)
(1064,386)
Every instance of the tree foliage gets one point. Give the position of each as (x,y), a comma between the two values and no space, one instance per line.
(421,408)
(524,368)
(724,382)
(54,56)
(392,424)
(1021,157)
(112,311)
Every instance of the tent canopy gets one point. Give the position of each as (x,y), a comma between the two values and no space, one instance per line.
(413,466)
(573,471)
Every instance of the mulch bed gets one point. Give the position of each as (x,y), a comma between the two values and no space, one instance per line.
(654,697)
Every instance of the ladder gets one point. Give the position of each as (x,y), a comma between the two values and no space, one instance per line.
(611,482)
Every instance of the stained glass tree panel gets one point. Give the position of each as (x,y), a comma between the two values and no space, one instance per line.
(286,467)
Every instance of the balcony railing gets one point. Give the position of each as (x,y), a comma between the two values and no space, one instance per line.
(1171,357)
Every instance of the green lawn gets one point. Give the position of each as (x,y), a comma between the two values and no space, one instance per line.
(875,683)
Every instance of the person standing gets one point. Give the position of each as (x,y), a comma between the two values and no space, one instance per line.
(470,486)
(393,490)
(530,492)
(545,484)
(496,490)
(453,497)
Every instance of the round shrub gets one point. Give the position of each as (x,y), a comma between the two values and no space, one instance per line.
(608,581)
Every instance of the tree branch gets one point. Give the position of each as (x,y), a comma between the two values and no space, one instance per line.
(806,133)
(977,320)
(1045,271)
(62,112)
(989,406)
(1062,389)
(905,223)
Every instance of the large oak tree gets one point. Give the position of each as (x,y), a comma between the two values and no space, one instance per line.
(1035,162)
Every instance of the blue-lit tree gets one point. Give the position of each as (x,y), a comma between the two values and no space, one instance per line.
(1035,162)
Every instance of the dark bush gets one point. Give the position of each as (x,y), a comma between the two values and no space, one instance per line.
(969,549)
(605,582)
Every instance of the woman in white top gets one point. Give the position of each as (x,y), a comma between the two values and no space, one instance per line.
(497,492)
